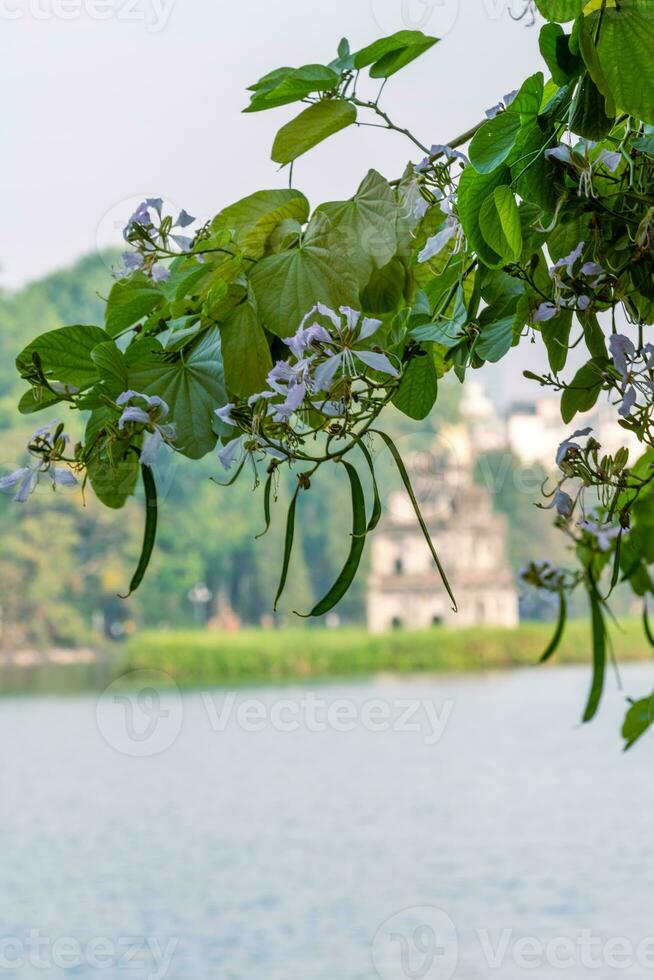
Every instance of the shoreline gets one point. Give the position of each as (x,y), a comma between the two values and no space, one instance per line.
(197,659)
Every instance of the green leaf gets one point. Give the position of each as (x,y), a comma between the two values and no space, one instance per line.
(599,652)
(245,351)
(555,48)
(533,175)
(553,645)
(419,387)
(621,62)
(193,385)
(129,301)
(530,96)
(111,364)
(549,40)
(493,142)
(65,355)
(150,530)
(638,720)
(389,54)
(584,389)
(289,284)
(589,117)
(113,477)
(560,10)
(287,85)
(367,225)
(311,127)
(556,336)
(474,190)
(421,521)
(36,399)
(499,221)
(288,546)
(497,332)
(593,335)
(644,144)
(359,529)
(385,290)
(253,219)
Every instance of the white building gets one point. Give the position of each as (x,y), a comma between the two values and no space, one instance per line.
(405,589)
(535,430)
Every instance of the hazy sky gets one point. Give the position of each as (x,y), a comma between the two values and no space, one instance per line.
(108,101)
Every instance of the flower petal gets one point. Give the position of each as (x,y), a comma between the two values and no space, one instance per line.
(228,454)
(133,414)
(325,372)
(13,478)
(379,362)
(151,446)
(62,477)
(369,326)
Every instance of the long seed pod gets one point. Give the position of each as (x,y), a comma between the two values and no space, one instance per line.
(376,514)
(266,505)
(558,632)
(409,489)
(349,570)
(646,625)
(288,546)
(150,530)
(599,650)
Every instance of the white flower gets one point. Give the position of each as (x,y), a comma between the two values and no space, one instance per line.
(611,160)
(26,478)
(628,402)
(568,261)
(225,414)
(623,352)
(436,244)
(545,312)
(344,350)
(562,153)
(157,433)
(569,443)
(603,532)
(245,447)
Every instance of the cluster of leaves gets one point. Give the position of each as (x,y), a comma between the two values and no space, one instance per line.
(547,222)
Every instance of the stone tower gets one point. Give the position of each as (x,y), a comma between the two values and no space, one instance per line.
(404,589)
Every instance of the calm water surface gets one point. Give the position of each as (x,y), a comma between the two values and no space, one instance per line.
(279,855)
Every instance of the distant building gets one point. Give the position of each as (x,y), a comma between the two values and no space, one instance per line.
(534,430)
(405,589)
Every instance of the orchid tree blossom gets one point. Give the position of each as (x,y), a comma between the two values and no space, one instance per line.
(152,416)
(47,444)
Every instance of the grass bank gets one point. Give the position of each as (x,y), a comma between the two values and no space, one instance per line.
(249,656)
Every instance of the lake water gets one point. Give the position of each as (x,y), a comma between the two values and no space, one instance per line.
(337,832)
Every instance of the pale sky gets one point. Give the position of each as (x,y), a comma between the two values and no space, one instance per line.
(108,101)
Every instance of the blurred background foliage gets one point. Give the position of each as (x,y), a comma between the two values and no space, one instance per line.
(64,561)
